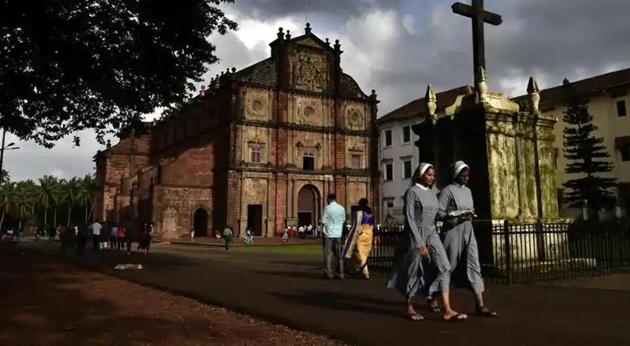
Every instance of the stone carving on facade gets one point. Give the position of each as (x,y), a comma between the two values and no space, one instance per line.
(355,116)
(308,112)
(257,104)
(309,71)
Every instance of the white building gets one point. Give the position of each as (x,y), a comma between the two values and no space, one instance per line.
(608,101)
(608,98)
(398,154)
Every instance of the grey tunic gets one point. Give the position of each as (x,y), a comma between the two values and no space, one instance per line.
(410,271)
(459,238)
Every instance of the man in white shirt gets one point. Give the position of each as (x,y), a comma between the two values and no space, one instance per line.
(96,235)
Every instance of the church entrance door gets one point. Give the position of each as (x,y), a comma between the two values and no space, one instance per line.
(254,218)
(200,222)
(308,206)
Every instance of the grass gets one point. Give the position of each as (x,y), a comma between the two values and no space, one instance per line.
(288,249)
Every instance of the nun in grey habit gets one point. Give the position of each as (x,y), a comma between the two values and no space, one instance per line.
(420,249)
(456,209)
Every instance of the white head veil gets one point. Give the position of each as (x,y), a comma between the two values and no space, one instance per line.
(458,167)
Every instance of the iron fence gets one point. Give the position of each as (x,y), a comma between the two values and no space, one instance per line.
(512,252)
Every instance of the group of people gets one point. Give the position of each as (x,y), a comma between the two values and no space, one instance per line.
(425,262)
(116,236)
(358,241)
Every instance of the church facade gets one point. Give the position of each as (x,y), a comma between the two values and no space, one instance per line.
(260,148)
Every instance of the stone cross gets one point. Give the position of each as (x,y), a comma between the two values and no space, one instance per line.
(479,16)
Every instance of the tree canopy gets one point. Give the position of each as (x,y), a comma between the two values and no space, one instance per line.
(78,64)
(587,156)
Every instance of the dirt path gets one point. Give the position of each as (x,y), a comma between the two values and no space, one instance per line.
(44,301)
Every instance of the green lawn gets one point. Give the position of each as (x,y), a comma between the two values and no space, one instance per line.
(289,249)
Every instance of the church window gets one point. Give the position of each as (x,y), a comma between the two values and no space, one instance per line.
(621,108)
(388,138)
(625,152)
(406,174)
(388,172)
(406,134)
(308,162)
(356,161)
(256,155)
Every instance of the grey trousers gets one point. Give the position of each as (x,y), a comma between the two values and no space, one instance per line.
(333,263)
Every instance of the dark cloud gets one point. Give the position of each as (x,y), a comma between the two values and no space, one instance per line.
(265,9)
(398,47)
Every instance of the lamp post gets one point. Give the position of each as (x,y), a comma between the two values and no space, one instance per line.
(10,146)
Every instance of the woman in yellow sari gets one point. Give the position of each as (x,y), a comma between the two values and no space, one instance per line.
(359,241)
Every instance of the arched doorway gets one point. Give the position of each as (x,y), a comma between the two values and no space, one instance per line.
(308,205)
(200,222)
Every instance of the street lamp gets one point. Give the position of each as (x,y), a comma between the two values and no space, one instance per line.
(10,146)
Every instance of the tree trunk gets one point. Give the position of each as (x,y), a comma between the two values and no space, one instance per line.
(69,213)
(1,220)
(55,216)
(45,216)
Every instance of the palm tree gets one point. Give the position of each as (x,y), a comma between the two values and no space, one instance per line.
(25,200)
(49,192)
(8,200)
(70,191)
(84,194)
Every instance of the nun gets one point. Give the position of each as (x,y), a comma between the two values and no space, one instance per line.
(456,210)
(420,250)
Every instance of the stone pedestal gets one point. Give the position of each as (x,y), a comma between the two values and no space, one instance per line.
(510,153)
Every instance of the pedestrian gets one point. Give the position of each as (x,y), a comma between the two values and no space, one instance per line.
(144,239)
(113,237)
(419,252)
(227,236)
(192,234)
(285,235)
(96,235)
(457,210)
(81,237)
(359,241)
(309,230)
(333,220)
(301,231)
(131,232)
(51,232)
(249,237)
(121,233)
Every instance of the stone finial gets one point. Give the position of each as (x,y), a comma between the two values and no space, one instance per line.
(565,82)
(533,96)
(108,144)
(307,29)
(337,45)
(430,100)
(288,36)
(482,85)
(373,95)
(202,90)
(233,69)
(280,34)
(327,41)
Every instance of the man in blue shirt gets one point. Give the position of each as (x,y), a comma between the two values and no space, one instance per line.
(333,220)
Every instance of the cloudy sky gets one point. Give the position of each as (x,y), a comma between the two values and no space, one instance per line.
(398,47)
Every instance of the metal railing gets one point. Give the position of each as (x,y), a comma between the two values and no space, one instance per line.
(512,252)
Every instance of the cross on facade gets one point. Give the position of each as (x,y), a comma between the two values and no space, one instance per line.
(479,16)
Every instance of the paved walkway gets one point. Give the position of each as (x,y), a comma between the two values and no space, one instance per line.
(289,290)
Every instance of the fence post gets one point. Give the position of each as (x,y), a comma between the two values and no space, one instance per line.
(508,251)
(540,240)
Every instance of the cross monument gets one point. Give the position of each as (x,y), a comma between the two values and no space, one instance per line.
(479,16)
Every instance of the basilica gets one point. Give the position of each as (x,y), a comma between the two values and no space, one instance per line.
(259,148)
